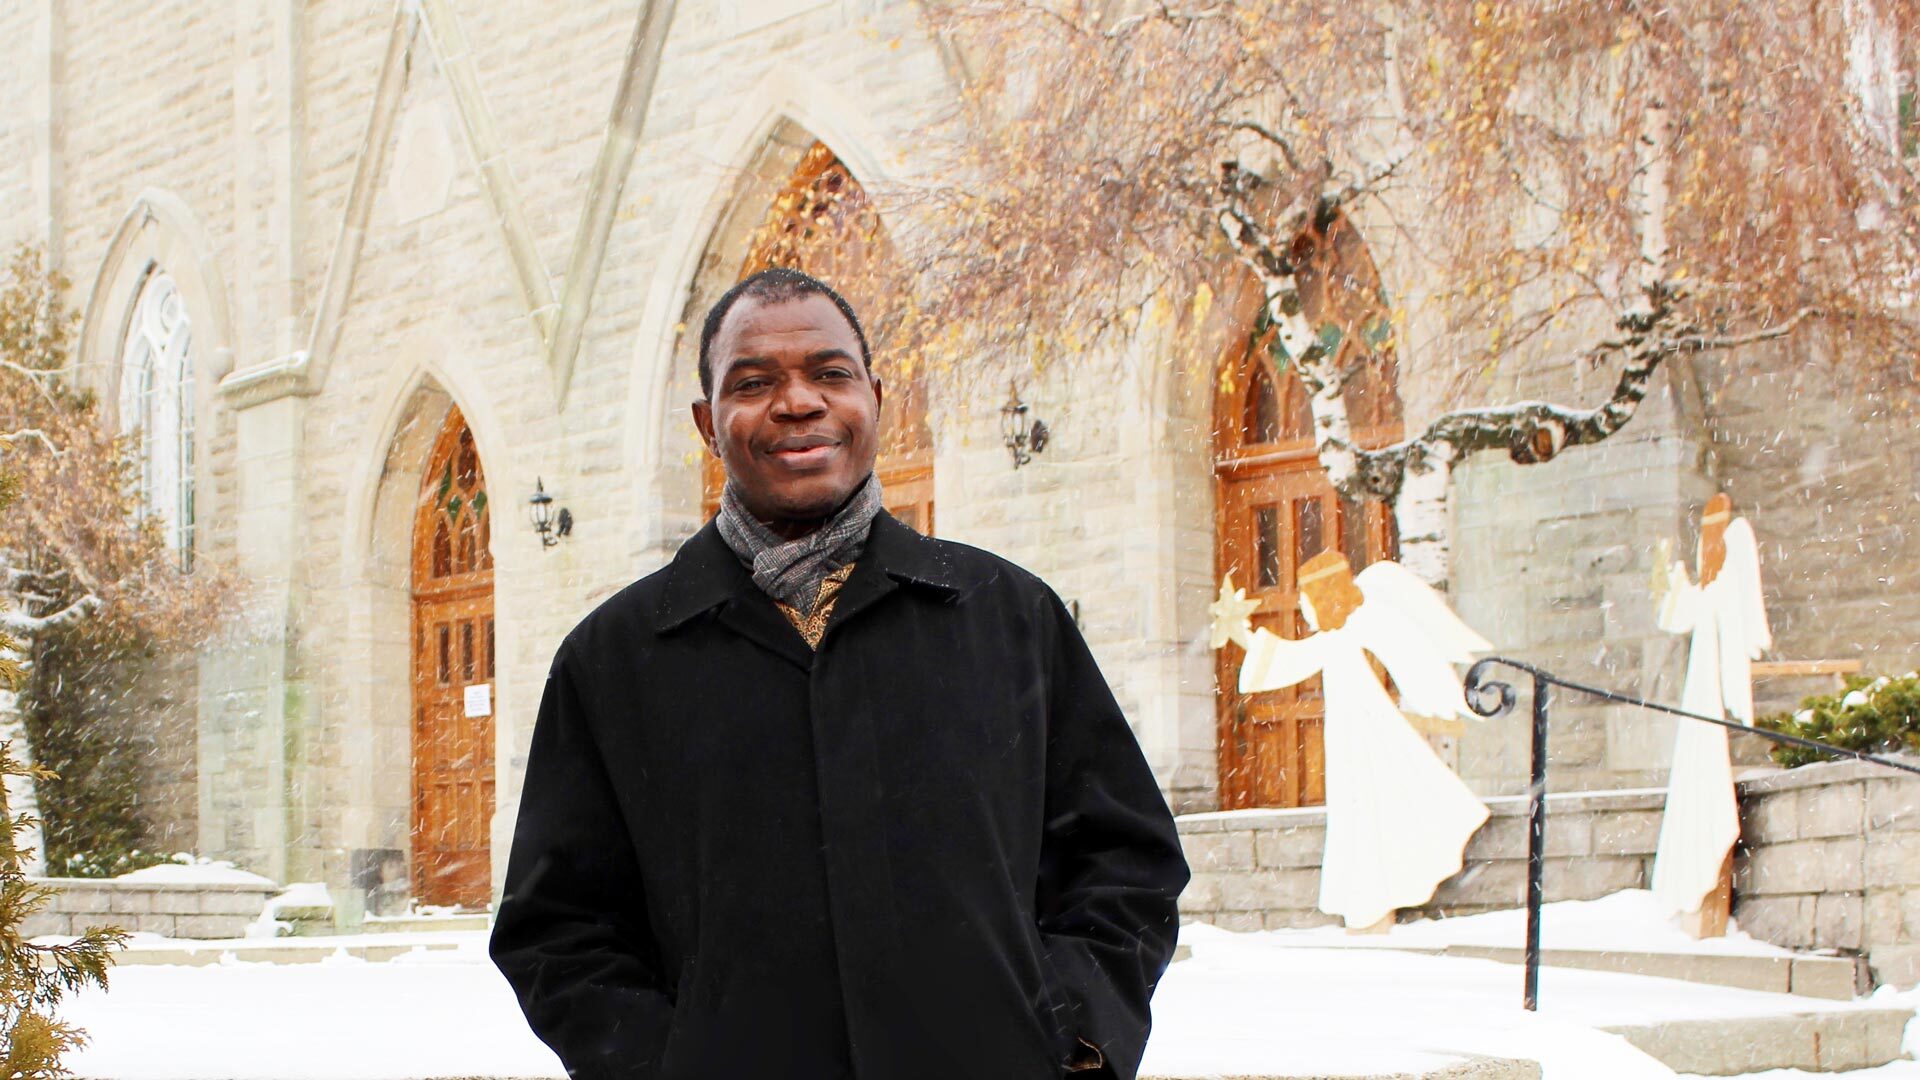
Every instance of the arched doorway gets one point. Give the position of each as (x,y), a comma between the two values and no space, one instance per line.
(822,222)
(453,666)
(1275,509)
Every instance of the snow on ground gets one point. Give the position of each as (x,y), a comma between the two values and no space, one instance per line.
(1283,1002)
(1244,1004)
(1273,1003)
(1249,1005)
(424,1014)
(1627,921)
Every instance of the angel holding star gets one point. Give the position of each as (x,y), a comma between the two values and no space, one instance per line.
(1398,820)
(1727,616)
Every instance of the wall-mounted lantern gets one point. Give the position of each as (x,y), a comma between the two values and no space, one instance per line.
(550,525)
(1024,436)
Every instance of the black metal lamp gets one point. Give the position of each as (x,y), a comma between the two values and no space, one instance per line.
(1023,435)
(550,525)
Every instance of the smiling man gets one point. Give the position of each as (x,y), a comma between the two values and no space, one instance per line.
(825,799)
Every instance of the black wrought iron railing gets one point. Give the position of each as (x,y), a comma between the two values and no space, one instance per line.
(1492,698)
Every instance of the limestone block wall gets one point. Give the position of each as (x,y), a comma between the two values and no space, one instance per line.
(1830,859)
(188,910)
(1117,516)
(1260,869)
(1552,564)
(1829,483)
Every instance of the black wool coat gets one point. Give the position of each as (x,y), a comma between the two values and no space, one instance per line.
(930,850)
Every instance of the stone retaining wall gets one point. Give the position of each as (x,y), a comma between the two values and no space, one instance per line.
(1829,858)
(197,910)
(1260,869)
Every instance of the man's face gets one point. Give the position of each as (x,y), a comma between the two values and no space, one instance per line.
(794,414)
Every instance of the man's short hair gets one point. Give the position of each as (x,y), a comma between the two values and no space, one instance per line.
(774,285)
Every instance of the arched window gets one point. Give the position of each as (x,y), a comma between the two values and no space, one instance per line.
(157,406)
(823,223)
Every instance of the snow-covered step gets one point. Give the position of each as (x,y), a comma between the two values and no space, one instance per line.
(1478,1068)
(272,951)
(1627,932)
(1826,1041)
(419,924)
(1835,978)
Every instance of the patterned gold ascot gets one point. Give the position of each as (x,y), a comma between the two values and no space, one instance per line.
(813,624)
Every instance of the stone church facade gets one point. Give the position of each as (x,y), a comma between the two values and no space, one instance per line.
(405,275)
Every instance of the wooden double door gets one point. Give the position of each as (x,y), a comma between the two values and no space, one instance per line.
(1273,519)
(453,677)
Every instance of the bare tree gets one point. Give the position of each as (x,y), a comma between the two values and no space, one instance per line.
(80,550)
(1606,184)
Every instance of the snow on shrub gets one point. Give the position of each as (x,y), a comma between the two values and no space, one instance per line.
(1872,715)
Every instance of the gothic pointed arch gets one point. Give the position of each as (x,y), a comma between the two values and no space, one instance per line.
(1275,509)
(159,230)
(819,218)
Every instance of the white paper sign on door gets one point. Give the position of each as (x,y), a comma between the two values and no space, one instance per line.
(479,699)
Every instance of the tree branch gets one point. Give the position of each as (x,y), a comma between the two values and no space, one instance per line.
(1281,142)
(1536,431)
(19,622)
(34,433)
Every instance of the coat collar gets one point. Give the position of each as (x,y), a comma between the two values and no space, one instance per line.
(706,573)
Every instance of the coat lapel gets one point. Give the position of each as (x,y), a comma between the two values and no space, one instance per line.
(705,575)
(894,555)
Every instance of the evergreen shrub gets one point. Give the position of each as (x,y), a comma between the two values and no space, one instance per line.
(1872,715)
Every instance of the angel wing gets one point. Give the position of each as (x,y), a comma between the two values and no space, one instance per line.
(1391,585)
(1410,629)
(1742,568)
(1273,662)
(1744,632)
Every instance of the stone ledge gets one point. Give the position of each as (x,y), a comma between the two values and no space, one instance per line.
(1471,1069)
(117,885)
(1835,1041)
(1826,772)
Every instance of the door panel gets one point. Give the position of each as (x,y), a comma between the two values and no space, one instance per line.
(453,777)
(1271,521)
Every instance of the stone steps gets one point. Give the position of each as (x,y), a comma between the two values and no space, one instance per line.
(1833,1041)
(1833,978)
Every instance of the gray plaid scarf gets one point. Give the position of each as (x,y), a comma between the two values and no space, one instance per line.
(790,571)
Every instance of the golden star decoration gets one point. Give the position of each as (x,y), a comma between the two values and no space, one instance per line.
(1231,613)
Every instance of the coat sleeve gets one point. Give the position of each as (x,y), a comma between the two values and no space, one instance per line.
(570,935)
(1111,868)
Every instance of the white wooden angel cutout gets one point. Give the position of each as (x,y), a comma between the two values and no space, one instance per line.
(1398,820)
(1727,617)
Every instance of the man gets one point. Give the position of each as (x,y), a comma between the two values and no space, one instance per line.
(825,798)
